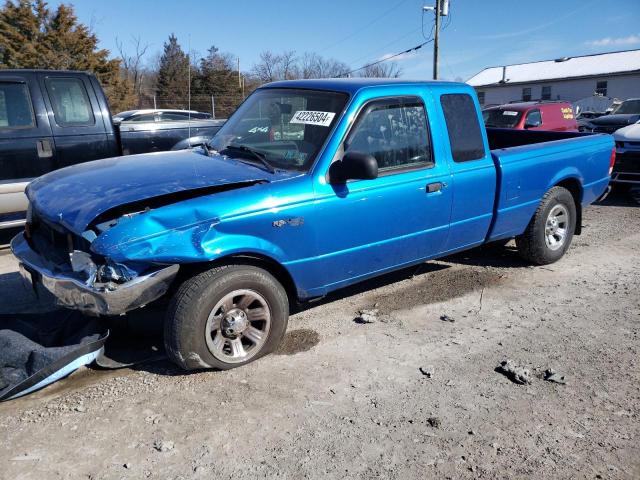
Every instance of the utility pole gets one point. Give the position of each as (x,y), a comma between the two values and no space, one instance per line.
(435,41)
(440,10)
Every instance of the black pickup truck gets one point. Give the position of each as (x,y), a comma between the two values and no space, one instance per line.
(52,119)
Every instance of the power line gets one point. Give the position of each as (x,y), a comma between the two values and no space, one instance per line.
(382,48)
(353,34)
(409,50)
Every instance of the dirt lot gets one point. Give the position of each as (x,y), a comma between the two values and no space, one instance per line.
(343,399)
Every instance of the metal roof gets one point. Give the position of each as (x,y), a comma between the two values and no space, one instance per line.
(613,63)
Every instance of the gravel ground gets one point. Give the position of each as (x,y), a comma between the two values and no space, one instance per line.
(412,392)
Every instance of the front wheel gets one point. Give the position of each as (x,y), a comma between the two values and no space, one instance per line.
(550,231)
(226,317)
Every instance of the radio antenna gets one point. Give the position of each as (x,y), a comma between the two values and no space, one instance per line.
(189,91)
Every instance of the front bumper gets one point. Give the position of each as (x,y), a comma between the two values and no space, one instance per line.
(96,299)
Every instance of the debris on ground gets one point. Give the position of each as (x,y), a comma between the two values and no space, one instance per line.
(163,445)
(434,422)
(447,318)
(427,371)
(513,372)
(367,315)
(551,375)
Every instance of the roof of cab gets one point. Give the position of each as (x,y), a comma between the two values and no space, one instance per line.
(352,85)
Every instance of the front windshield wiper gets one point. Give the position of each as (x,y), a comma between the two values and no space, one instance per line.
(254,153)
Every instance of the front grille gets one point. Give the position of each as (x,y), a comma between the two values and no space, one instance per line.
(54,242)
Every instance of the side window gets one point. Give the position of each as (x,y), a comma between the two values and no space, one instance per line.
(463,127)
(533,119)
(395,132)
(15,106)
(70,102)
(546,92)
(173,116)
(146,117)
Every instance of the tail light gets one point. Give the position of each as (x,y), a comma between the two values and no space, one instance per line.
(612,160)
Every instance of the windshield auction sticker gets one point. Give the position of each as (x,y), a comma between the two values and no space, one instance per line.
(309,117)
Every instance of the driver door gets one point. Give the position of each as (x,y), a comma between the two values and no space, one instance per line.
(369,226)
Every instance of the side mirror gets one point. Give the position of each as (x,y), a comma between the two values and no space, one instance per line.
(354,166)
(532,124)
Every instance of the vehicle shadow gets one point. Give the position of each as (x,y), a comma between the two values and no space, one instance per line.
(136,339)
(490,256)
(621,198)
(371,284)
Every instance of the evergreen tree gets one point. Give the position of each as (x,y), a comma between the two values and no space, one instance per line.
(172,84)
(31,36)
(21,34)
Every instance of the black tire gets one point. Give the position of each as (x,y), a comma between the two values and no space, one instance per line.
(532,245)
(185,330)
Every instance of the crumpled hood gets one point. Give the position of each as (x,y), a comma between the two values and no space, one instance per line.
(616,119)
(76,195)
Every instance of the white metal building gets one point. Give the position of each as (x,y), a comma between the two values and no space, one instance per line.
(614,75)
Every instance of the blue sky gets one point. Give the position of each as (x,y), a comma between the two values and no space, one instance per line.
(480,33)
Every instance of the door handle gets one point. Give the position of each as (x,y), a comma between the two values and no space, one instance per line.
(435,187)
(44,148)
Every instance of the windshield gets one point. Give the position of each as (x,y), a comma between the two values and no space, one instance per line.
(498,118)
(286,126)
(629,106)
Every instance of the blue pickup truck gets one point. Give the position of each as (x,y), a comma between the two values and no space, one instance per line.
(310,186)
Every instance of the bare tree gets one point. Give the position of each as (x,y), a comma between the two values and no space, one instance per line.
(266,68)
(272,67)
(380,70)
(288,66)
(313,65)
(132,64)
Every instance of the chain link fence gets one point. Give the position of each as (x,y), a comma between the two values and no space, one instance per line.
(219,106)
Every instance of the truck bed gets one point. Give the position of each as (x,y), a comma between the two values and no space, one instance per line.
(527,164)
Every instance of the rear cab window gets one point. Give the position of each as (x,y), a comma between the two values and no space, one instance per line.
(70,102)
(463,127)
(15,106)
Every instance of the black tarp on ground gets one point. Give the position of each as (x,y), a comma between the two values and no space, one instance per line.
(38,349)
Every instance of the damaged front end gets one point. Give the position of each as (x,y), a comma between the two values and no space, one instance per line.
(63,263)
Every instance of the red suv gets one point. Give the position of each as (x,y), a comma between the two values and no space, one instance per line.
(555,116)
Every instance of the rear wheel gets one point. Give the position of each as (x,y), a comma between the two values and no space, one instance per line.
(550,231)
(226,317)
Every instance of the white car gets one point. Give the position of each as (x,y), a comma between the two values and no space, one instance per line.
(627,167)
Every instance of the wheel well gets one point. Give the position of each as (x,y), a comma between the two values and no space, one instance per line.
(273,267)
(575,188)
